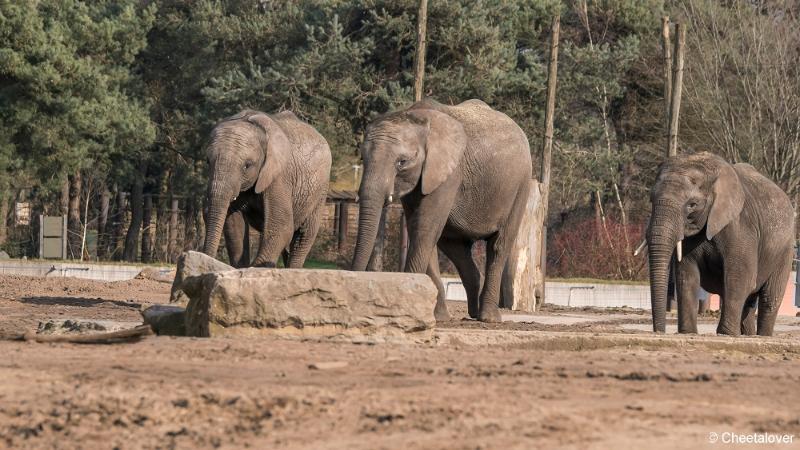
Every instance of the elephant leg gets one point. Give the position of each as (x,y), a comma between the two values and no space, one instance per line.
(497,249)
(304,238)
(769,300)
(285,257)
(440,312)
(237,239)
(739,284)
(278,230)
(749,315)
(460,253)
(687,283)
(426,220)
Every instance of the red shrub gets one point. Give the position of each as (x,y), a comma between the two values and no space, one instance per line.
(588,249)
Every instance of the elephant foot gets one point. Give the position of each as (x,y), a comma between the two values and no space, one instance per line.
(440,313)
(264,264)
(729,331)
(473,311)
(490,314)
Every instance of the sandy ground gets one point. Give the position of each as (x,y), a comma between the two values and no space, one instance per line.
(481,390)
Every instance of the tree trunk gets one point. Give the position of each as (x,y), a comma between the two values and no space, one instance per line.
(102,224)
(74,231)
(3,217)
(147,242)
(172,243)
(547,144)
(677,84)
(422,41)
(64,201)
(119,226)
(132,237)
(522,284)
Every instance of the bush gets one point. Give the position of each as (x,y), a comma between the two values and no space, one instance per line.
(590,249)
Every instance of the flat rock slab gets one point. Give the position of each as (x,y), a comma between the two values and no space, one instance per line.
(82,326)
(321,304)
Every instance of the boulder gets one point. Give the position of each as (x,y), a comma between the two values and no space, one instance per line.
(166,320)
(318,304)
(191,265)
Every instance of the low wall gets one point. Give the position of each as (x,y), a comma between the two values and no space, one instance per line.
(100,272)
(604,295)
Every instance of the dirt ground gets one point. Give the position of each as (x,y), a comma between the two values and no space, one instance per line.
(478,389)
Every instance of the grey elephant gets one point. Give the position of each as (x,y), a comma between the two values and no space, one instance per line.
(269,172)
(732,232)
(463,174)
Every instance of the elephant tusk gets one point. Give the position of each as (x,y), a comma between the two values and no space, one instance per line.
(391,197)
(640,247)
(680,250)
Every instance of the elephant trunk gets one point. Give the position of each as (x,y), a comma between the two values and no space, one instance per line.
(664,235)
(369,215)
(376,189)
(219,200)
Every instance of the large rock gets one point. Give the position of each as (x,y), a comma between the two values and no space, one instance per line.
(166,320)
(191,265)
(329,304)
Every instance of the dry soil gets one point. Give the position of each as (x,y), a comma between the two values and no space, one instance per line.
(481,387)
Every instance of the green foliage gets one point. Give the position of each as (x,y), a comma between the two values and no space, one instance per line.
(69,99)
(127,91)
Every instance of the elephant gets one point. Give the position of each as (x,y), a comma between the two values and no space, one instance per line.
(270,172)
(462,174)
(731,231)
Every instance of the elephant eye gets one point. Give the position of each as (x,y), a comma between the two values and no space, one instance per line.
(248,165)
(402,163)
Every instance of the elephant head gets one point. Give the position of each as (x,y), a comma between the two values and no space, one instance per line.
(402,151)
(693,194)
(244,152)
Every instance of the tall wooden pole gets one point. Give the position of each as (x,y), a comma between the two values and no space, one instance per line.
(666,47)
(677,85)
(547,145)
(422,29)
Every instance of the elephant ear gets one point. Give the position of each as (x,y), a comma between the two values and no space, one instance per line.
(444,147)
(727,202)
(276,150)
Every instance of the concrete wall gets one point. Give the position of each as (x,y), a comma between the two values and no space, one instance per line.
(611,295)
(101,272)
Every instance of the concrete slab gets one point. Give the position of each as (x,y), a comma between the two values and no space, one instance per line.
(702,328)
(565,319)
